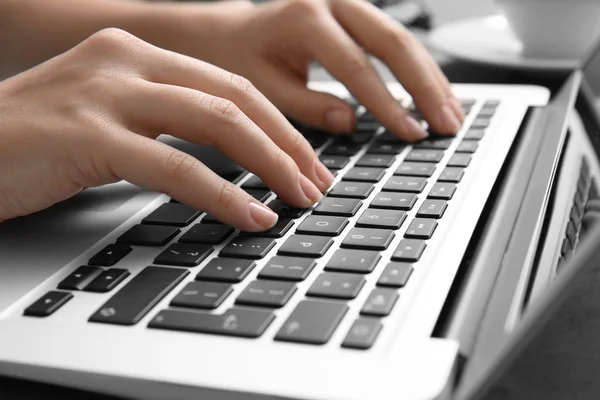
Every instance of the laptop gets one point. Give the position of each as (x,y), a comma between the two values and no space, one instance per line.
(411,279)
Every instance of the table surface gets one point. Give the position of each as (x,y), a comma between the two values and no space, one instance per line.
(460,72)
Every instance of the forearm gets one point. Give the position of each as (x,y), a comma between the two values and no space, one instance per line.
(32,31)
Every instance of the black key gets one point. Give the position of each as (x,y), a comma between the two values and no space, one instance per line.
(281,227)
(443,191)
(48,304)
(148,235)
(362,334)
(409,250)
(368,239)
(172,214)
(467,146)
(376,160)
(415,169)
(347,260)
(474,134)
(394,201)
(340,207)
(210,220)
(287,268)
(207,234)
(421,228)
(226,270)
(380,302)
(434,144)
(259,194)
(395,274)
(334,162)
(388,136)
(386,148)
(459,160)
(359,137)
(267,293)
(312,322)
(305,246)
(450,174)
(248,247)
(285,211)
(184,254)
(336,285)
(367,126)
(79,278)
(322,225)
(241,322)
(254,182)
(571,235)
(139,296)
(110,255)
(405,184)
(491,103)
(341,148)
(432,209)
(355,190)
(364,174)
(375,218)
(430,156)
(316,138)
(576,216)
(206,295)
(107,280)
(480,123)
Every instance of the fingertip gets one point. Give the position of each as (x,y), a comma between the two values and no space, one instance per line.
(447,122)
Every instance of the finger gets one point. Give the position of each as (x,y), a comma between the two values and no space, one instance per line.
(341,56)
(178,70)
(406,57)
(201,118)
(154,165)
(316,109)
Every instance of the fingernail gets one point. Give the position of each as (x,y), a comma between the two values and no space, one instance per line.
(323,173)
(262,215)
(309,189)
(338,121)
(414,129)
(449,120)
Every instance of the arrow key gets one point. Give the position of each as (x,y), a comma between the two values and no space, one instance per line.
(79,278)
(380,302)
(107,280)
(110,255)
(48,304)
(409,250)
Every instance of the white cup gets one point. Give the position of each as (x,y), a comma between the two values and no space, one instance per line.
(553,28)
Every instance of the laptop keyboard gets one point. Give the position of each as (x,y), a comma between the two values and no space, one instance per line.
(383,201)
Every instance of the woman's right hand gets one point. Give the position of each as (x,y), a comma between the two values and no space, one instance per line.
(89,117)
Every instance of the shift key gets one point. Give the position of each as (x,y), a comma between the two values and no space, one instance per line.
(139,296)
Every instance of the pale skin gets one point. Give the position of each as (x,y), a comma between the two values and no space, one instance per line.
(87,111)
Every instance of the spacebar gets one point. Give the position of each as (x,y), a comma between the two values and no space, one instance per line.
(138,297)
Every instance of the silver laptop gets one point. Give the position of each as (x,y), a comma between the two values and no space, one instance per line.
(409,280)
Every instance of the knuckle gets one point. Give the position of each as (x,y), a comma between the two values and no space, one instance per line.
(304,8)
(357,65)
(242,87)
(299,145)
(399,38)
(112,39)
(283,162)
(179,165)
(227,193)
(224,109)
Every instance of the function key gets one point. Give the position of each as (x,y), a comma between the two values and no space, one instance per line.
(421,228)
(339,207)
(305,246)
(491,103)
(173,214)
(415,169)
(459,160)
(148,235)
(336,285)
(376,218)
(486,113)
(376,160)
(285,211)
(409,250)
(184,254)
(259,194)
(362,334)
(405,184)
(342,148)
(364,174)
(267,293)
(107,280)
(354,190)
(281,227)
(380,302)
(224,269)
(442,190)
(480,123)
(474,134)
(395,274)
(254,182)
(432,209)
(334,162)
(450,174)
(48,304)
(467,146)
(467,102)
(386,148)
(434,144)
(79,278)
(429,156)
(368,239)
(110,255)
(394,201)
(361,261)
(248,247)
(322,225)
(207,234)
(312,322)
(242,322)
(287,268)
